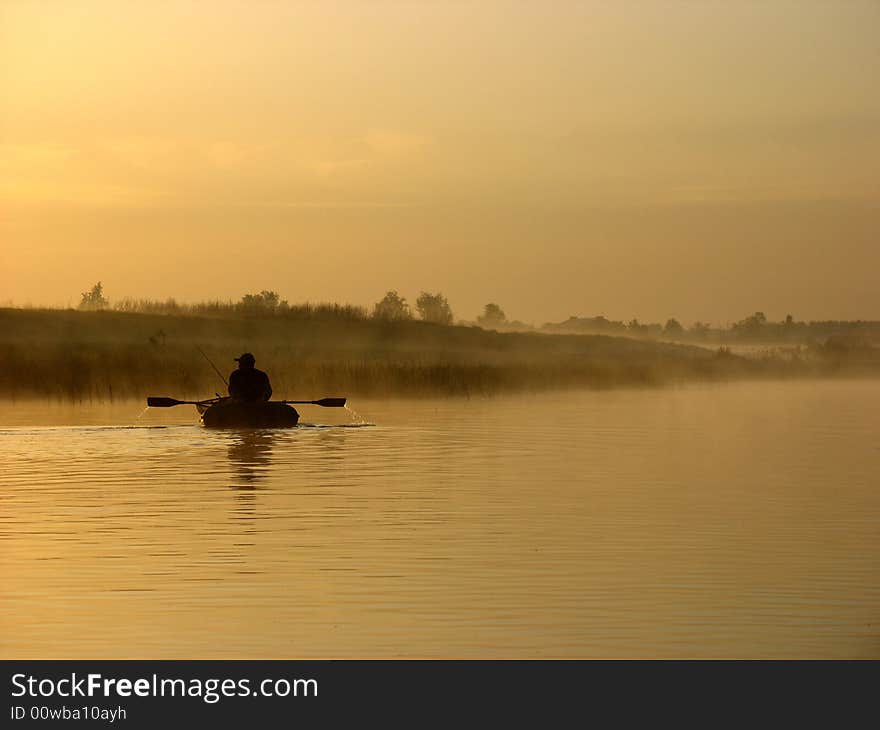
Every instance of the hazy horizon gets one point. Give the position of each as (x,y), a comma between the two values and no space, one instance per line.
(187,307)
(652,161)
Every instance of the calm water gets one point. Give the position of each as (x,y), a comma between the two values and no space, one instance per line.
(728,521)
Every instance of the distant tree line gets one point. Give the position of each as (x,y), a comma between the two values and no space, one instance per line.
(434,308)
(429,307)
(755,328)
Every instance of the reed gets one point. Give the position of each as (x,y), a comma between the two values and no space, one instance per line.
(107,355)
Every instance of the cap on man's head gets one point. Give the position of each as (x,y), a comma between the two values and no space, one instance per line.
(247,357)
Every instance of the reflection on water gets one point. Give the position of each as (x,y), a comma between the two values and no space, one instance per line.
(250,453)
(734,521)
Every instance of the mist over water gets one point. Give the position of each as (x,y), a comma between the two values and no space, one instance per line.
(704,521)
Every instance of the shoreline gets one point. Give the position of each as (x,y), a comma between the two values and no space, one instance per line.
(107,356)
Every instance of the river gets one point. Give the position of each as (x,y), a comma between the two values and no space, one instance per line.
(738,520)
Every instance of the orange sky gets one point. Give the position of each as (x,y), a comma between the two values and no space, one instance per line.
(652,159)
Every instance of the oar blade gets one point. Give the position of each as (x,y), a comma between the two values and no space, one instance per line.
(158,402)
(331,402)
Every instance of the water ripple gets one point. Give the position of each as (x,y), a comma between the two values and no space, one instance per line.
(736,521)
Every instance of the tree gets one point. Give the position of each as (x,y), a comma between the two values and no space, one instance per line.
(751,325)
(94,300)
(392,307)
(492,317)
(265,301)
(434,308)
(673,327)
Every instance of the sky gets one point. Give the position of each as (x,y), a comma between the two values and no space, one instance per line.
(630,159)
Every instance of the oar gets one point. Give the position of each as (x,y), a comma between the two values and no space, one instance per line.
(159,402)
(326,402)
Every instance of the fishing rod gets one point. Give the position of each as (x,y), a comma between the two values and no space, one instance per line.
(219,374)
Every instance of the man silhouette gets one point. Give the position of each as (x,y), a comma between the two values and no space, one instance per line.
(248,384)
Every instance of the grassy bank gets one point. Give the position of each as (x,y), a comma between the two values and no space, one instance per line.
(68,354)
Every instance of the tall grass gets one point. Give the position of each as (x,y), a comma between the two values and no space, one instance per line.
(228,308)
(108,355)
